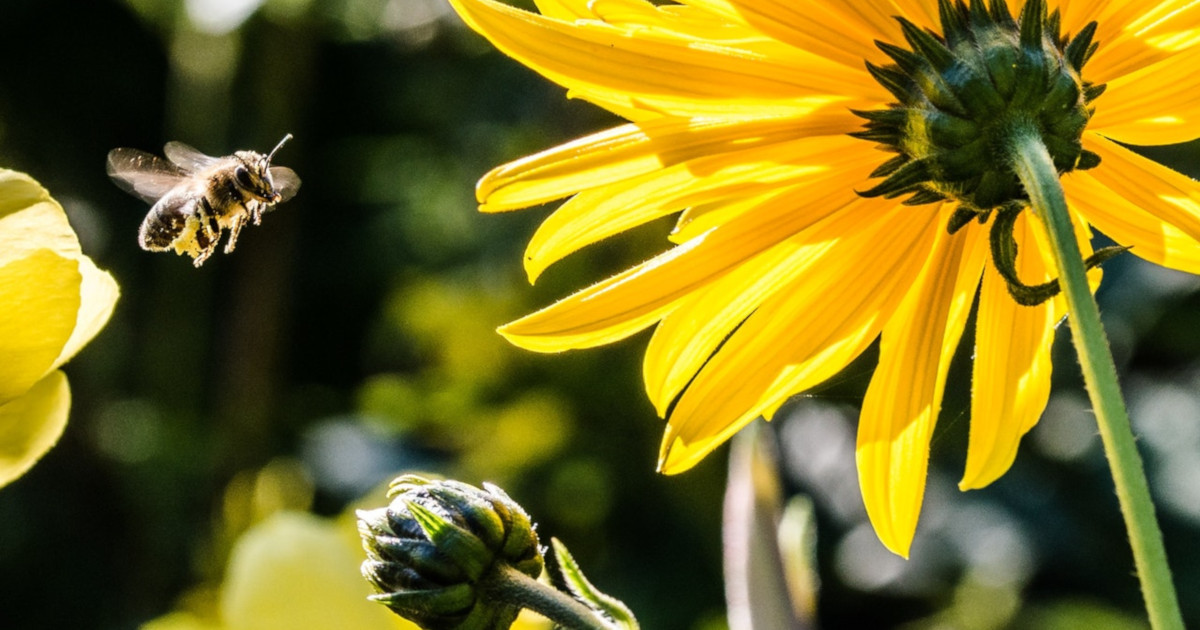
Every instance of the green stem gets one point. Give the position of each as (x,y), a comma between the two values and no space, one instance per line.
(1033,166)
(514,587)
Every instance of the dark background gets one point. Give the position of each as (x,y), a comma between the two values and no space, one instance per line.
(350,337)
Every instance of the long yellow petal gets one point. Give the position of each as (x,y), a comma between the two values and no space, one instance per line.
(1152,239)
(634,299)
(1011,372)
(599,213)
(689,335)
(31,424)
(675,75)
(807,332)
(905,394)
(1134,35)
(1158,104)
(842,32)
(630,151)
(1160,191)
(40,294)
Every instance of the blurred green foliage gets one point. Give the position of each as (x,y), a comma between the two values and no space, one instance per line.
(351,336)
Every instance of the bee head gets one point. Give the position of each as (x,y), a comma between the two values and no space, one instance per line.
(253,173)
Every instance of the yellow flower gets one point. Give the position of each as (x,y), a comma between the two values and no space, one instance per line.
(54,301)
(295,571)
(741,114)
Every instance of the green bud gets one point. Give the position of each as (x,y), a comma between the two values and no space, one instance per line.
(432,550)
(959,95)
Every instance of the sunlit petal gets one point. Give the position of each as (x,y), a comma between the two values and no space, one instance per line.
(1152,239)
(634,299)
(1165,194)
(1154,105)
(598,213)
(905,394)
(808,331)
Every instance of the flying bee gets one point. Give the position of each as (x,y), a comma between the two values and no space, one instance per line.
(197,197)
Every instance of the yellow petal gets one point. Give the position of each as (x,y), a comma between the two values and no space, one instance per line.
(298,572)
(41,300)
(905,394)
(1011,374)
(844,34)
(634,299)
(98,294)
(31,424)
(690,334)
(675,74)
(1160,191)
(30,220)
(1158,104)
(805,333)
(1134,35)
(1152,239)
(630,151)
(598,213)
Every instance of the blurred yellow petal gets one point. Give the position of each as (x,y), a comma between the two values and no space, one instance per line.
(98,295)
(1154,240)
(31,424)
(905,395)
(1152,106)
(180,620)
(30,220)
(295,571)
(40,293)
(808,331)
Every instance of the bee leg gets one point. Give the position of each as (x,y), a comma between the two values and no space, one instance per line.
(256,209)
(234,229)
(208,232)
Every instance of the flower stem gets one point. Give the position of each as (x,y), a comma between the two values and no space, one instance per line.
(514,587)
(1032,164)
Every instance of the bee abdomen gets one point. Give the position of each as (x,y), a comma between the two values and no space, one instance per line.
(165,223)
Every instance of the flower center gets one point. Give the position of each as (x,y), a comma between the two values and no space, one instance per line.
(959,97)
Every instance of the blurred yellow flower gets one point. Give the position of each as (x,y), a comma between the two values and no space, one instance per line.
(54,301)
(742,114)
(296,571)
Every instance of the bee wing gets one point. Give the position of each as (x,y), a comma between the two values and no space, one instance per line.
(287,182)
(187,158)
(143,175)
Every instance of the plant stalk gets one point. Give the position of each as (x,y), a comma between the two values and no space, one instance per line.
(514,587)
(1031,162)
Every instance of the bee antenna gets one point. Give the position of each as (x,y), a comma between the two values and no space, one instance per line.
(272,153)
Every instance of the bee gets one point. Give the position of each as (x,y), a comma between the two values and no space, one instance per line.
(197,197)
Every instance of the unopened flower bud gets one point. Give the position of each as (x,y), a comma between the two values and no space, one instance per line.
(432,550)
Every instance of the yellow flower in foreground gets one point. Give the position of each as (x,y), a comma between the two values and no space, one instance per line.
(54,300)
(781,273)
(296,571)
